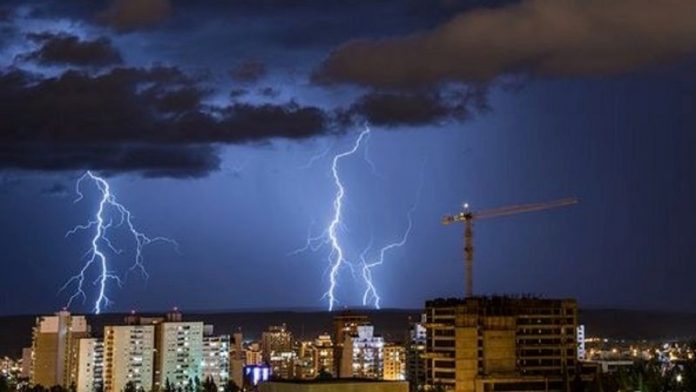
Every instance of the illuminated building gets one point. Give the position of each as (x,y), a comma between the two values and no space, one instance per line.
(237,359)
(305,367)
(394,368)
(323,354)
(10,369)
(90,364)
(277,347)
(128,356)
(276,339)
(366,359)
(54,348)
(582,353)
(255,375)
(345,324)
(179,351)
(253,355)
(501,343)
(216,359)
(415,361)
(334,385)
(27,354)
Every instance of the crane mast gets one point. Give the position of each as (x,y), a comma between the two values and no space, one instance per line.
(467,217)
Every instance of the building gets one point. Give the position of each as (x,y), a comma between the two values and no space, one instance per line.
(277,347)
(255,375)
(415,360)
(128,356)
(323,354)
(216,359)
(90,364)
(179,351)
(305,367)
(394,368)
(237,359)
(366,359)
(54,348)
(27,354)
(345,323)
(501,343)
(582,352)
(253,355)
(276,339)
(334,385)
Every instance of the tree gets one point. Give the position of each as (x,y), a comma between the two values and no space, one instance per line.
(168,387)
(324,375)
(209,385)
(4,385)
(130,387)
(231,386)
(57,388)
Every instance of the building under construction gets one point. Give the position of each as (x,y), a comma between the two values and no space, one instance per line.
(481,344)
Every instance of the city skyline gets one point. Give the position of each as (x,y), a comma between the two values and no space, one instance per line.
(231,130)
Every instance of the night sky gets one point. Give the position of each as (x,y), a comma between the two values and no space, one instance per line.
(215,123)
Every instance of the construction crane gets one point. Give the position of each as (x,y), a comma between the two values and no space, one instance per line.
(468,217)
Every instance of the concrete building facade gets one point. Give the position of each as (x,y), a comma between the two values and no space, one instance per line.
(90,364)
(128,356)
(179,353)
(366,358)
(54,348)
(501,343)
(216,359)
(394,368)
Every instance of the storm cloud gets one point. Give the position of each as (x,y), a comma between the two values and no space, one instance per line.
(134,14)
(147,120)
(68,49)
(536,37)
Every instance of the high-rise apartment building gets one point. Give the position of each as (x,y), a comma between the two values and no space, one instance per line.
(277,346)
(501,343)
(345,324)
(54,348)
(179,352)
(216,359)
(365,358)
(128,356)
(253,355)
(305,367)
(90,364)
(276,339)
(237,358)
(415,360)
(323,354)
(394,368)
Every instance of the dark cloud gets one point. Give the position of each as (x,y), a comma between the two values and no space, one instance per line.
(269,92)
(151,121)
(150,160)
(238,92)
(9,183)
(57,189)
(134,14)
(416,108)
(68,49)
(5,14)
(539,37)
(249,71)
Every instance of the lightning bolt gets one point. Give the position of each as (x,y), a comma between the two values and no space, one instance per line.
(336,257)
(96,254)
(370,293)
(330,235)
